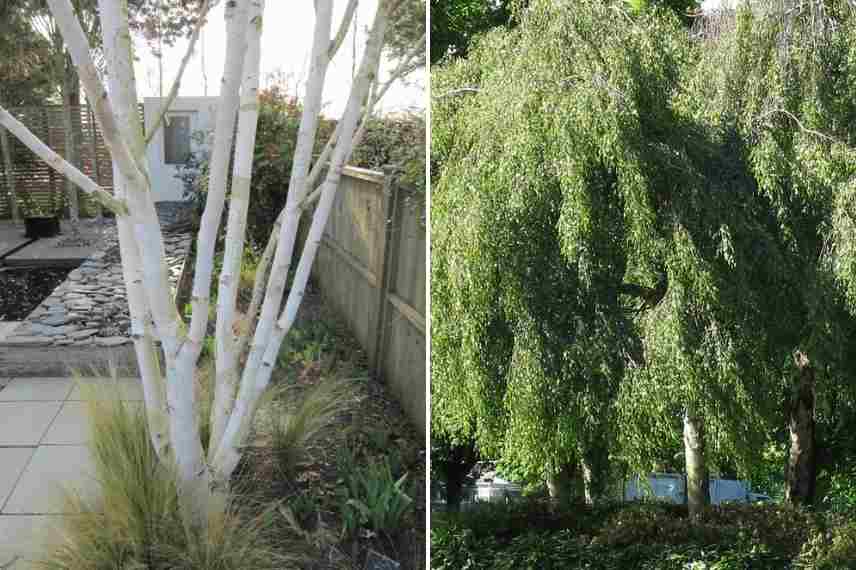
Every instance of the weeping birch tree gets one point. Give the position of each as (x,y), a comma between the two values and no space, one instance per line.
(245,355)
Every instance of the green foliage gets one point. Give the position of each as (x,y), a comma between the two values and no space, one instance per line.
(276,137)
(374,499)
(649,536)
(395,141)
(627,223)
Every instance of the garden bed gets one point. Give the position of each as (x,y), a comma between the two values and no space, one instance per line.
(370,429)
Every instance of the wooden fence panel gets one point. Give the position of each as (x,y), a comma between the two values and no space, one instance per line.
(371,269)
(35,178)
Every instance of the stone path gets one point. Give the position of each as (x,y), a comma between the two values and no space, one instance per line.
(43,450)
(90,308)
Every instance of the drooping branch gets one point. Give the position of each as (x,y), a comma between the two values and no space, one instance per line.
(59,164)
(650,296)
(176,84)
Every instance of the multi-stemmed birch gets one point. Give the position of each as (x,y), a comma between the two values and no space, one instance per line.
(241,376)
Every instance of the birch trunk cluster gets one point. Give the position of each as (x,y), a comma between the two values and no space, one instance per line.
(245,356)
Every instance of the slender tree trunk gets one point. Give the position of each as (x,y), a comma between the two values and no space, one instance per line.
(801,468)
(70,97)
(698,479)
(560,483)
(10,175)
(594,465)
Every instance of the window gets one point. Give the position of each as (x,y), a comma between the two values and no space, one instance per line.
(176,136)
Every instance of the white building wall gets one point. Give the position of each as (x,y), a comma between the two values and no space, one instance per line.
(202,113)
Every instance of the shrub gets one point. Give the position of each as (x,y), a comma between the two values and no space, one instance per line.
(397,141)
(276,137)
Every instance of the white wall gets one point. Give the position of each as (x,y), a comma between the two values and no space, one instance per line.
(202,112)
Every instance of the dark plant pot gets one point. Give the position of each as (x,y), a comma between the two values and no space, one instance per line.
(41,226)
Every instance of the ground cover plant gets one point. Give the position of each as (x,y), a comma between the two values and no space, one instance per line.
(653,536)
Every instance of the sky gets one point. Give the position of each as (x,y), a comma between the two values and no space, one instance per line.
(286,42)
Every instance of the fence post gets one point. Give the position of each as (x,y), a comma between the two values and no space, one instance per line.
(388,261)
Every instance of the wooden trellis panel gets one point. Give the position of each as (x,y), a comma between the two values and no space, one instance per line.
(35,178)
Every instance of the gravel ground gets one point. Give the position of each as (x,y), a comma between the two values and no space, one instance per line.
(23,288)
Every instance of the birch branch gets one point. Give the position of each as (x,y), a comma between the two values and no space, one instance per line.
(176,84)
(116,44)
(300,165)
(78,48)
(336,42)
(59,164)
(254,385)
(236,40)
(226,355)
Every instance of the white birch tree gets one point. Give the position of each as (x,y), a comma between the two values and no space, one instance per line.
(241,378)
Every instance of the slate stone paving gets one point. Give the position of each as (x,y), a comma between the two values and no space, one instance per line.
(90,307)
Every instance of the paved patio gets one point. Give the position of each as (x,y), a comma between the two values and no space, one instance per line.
(49,250)
(43,450)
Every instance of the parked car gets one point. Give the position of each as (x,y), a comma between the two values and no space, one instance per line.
(671,487)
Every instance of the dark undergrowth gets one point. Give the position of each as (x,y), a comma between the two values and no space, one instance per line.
(534,534)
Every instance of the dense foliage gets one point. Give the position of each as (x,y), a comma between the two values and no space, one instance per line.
(651,537)
(276,136)
(396,141)
(628,224)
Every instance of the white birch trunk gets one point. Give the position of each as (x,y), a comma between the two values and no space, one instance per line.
(255,381)
(117,50)
(172,407)
(230,274)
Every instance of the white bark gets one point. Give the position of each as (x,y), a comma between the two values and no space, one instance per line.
(117,51)
(171,406)
(300,165)
(253,385)
(236,40)
(56,162)
(230,274)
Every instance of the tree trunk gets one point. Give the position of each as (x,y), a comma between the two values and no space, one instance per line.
(698,480)
(594,465)
(801,468)
(560,483)
(10,175)
(71,97)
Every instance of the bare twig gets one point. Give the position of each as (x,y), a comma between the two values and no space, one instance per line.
(336,42)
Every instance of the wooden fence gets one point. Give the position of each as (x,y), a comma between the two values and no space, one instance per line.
(371,268)
(34,177)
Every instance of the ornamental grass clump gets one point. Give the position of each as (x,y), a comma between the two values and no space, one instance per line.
(134,521)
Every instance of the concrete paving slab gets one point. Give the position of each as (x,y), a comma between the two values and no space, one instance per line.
(23,538)
(6,328)
(52,472)
(36,389)
(129,388)
(70,426)
(11,235)
(52,249)
(13,460)
(24,423)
